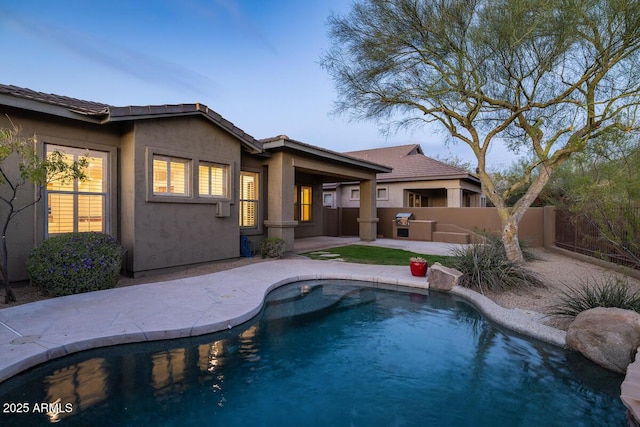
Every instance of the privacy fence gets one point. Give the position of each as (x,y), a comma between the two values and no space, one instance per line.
(581,234)
(546,227)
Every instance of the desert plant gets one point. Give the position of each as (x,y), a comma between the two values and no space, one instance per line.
(611,291)
(272,247)
(21,168)
(485,266)
(76,262)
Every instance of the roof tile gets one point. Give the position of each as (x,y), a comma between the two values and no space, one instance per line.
(130,112)
(408,163)
(73,104)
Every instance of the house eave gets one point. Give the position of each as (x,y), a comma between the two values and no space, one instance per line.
(117,114)
(429,178)
(281,143)
(52,109)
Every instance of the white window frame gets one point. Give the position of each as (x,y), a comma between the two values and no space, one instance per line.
(354,194)
(169,161)
(78,153)
(242,202)
(226,169)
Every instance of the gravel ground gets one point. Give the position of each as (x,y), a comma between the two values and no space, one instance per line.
(557,271)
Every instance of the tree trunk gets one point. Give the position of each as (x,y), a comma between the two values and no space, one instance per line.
(510,216)
(9,295)
(510,239)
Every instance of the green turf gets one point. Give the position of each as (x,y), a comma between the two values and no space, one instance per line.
(379,255)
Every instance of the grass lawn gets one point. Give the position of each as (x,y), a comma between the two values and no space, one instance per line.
(362,254)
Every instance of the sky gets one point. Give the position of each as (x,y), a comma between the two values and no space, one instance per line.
(255,62)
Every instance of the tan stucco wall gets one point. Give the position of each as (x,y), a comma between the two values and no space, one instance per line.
(27,229)
(398,196)
(531,228)
(180,231)
(288,167)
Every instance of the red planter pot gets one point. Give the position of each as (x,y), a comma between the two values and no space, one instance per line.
(418,269)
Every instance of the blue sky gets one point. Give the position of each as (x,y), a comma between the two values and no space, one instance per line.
(255,62)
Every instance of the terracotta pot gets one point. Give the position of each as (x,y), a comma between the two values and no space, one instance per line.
(418,269)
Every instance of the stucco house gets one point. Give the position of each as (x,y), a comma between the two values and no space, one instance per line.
(177,185)
(414,181)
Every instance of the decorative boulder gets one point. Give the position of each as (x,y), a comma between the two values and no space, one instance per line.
(443,278)
(609,337)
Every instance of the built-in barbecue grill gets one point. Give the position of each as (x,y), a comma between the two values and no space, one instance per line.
(402,223)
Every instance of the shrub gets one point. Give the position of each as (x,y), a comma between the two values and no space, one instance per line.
(610,292)
(75,263)
(272,247)
(484,266)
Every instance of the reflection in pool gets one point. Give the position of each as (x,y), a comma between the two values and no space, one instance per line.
(329,353)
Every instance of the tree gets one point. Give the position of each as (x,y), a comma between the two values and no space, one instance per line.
(544,76)
(20,165)
(602,186)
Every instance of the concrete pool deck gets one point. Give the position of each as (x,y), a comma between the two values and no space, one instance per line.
(35,333)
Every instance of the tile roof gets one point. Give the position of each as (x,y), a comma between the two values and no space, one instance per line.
(409,164)
(108,113)
(73,104)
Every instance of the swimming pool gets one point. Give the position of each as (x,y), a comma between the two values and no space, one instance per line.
(329,353)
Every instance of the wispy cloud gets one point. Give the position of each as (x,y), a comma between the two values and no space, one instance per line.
(248,27)
(142,66)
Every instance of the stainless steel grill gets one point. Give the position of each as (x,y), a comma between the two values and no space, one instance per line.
(402,219)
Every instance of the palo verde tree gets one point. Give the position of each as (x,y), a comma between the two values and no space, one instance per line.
(543,76)
(21,169)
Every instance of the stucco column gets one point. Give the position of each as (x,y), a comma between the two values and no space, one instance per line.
(454,197)
(368,221)
(280,189)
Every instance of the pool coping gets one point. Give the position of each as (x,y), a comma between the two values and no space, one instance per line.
(31,334)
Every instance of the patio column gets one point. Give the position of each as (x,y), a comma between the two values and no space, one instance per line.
(368,221)
(280,189)
(454,197)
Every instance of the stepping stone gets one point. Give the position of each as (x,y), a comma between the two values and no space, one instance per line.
(329,255)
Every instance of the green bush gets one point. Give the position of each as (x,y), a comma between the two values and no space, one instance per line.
(610,292)
(75,263)
(272,247)
(484,266)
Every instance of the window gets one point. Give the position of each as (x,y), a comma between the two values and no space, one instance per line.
(249,199)
(354,194)
(303,203)
(415,200)
(171,176)
(213,180)
(327,200)
(79,206)
(382,194)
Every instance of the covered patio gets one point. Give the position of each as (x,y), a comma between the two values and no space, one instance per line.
(296,172)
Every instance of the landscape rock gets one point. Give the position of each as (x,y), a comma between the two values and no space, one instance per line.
(609,337)
(443,278)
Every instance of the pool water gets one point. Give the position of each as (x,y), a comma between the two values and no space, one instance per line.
(329,353)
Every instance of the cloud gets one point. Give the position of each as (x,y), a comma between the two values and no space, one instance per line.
(239,18)
(142,66)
